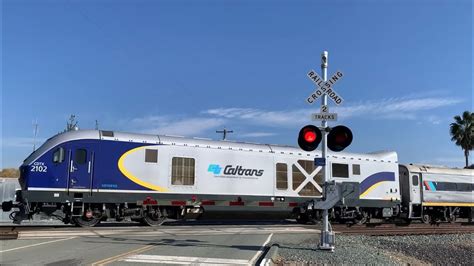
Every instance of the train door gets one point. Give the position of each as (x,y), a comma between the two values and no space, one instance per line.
(81,165)
(405,187)
(415,186)
(410,192)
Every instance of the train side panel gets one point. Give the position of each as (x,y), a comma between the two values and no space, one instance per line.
(378,179)
(447,190)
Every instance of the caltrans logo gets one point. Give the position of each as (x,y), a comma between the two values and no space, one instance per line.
(214,168)
(230,170)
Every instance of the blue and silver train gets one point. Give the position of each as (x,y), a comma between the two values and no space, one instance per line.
(87,176)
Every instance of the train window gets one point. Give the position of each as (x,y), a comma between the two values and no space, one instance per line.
(319,177)
(182,171)
(106,133)
(298,176)
(281,176)
(414,180)
(356,169)
(464,187)
(309,190)
(151,156)
(445,186)
(58,155)
(307,165)
(81,156)
(340,170)
(451,186)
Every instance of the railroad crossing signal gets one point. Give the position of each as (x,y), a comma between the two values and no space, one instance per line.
(309,137)
(324,87)
(324,114)
(339,138)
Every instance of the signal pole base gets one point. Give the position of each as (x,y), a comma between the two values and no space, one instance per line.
(327,241)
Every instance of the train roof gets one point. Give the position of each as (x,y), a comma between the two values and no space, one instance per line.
(431,169)
(383,156)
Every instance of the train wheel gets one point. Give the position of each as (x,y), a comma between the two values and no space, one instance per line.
(302,219)
(362,218)
(89,219)
(426,218)
(452,218)
(154,217)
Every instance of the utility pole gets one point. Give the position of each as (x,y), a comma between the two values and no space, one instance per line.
(224,133)
(96,125)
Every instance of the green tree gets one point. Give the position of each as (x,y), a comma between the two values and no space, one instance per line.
(462,132)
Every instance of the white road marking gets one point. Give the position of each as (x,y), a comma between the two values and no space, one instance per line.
(37,244)
(182,260)
(255,257)
(177,232)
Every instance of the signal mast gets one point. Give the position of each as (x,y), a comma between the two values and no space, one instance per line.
(336,138)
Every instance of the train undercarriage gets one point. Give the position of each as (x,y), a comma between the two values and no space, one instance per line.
(359,215)
(147,212)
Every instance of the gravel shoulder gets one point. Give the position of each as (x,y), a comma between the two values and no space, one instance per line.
(448,249)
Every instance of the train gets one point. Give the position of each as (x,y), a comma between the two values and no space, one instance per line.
(88,176)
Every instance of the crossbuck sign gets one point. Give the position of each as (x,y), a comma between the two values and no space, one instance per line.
(324,87)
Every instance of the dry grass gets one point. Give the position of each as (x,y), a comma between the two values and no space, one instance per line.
(10,172)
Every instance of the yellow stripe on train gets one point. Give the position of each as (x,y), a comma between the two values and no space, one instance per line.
(129,175)
(459,204)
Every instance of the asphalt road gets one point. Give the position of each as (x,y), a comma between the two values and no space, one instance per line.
(235,244)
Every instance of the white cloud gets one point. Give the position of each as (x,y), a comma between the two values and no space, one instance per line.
(435,120)
(395,108)
(212,119)
(21,142)
(188,127)
(262,117)
(170,125)
(392,108)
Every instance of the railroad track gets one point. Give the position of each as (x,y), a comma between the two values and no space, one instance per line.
(12,232)
(413,229)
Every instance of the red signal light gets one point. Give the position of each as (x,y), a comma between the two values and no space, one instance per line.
(309,137)
(339,138)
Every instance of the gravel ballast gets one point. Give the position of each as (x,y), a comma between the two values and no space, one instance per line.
(447,249)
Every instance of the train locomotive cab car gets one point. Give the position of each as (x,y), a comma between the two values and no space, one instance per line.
(87,176)
(435,194)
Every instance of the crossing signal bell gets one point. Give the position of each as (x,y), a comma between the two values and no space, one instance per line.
(337,140)
(309,137)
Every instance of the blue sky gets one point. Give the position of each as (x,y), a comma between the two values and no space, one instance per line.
(192,67)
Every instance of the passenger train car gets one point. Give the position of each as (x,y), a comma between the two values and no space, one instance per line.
(434,193)
(86,176)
